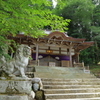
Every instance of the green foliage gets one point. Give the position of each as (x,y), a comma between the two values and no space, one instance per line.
(96,15)
(85,23)
(4,46)
(90,55)
(95,69)
(28,16)
(97,39)
(95,28)
(87,56)
(80,12)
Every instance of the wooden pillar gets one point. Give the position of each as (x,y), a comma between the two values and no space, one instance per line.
(59,50)
(78,57)
(37,52)
(70,56)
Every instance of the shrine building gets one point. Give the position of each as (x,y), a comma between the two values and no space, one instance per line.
(54,49)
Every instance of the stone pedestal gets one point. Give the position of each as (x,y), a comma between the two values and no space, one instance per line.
(17,89)
(13,97)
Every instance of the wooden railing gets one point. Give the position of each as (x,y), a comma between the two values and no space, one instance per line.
(81,65)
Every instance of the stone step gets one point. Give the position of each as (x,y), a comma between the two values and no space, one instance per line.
(81,90)
(71,80)
(70,83)
(97,98)
(69,86)
(61,72)
(72,95)
(71,89)
(62,75)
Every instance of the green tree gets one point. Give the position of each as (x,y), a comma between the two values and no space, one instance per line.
(95,28)
(28,16)
(81,13)
(96,20)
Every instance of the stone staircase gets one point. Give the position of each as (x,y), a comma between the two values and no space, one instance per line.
(66,83)
(61,72)
(71,89)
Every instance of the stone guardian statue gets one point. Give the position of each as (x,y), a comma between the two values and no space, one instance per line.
(17,65)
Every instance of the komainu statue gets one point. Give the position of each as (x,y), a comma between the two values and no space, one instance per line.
(17,65)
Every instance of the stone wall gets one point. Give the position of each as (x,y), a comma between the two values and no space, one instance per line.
(15,89)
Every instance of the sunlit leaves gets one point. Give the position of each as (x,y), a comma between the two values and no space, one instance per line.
(28,16)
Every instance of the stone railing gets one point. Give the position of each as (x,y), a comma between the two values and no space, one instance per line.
(30,69)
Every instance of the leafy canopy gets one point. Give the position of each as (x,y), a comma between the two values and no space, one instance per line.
(85,23)
(28,16)
(80,12)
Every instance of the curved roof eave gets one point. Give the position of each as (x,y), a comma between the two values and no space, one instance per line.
(64,36)
(85,45)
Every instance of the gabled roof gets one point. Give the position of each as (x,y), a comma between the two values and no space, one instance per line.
(57,37)
(57,34)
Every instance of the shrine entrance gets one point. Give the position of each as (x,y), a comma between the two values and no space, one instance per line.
(51,56)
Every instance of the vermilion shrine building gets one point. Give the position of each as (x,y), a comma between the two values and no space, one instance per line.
(54,49)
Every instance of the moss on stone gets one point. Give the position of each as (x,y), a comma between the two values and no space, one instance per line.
(5,75)
(39,95)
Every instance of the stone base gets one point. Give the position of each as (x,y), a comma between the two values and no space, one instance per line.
(14,97)
(87,71)
(17,89)
(15,86)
